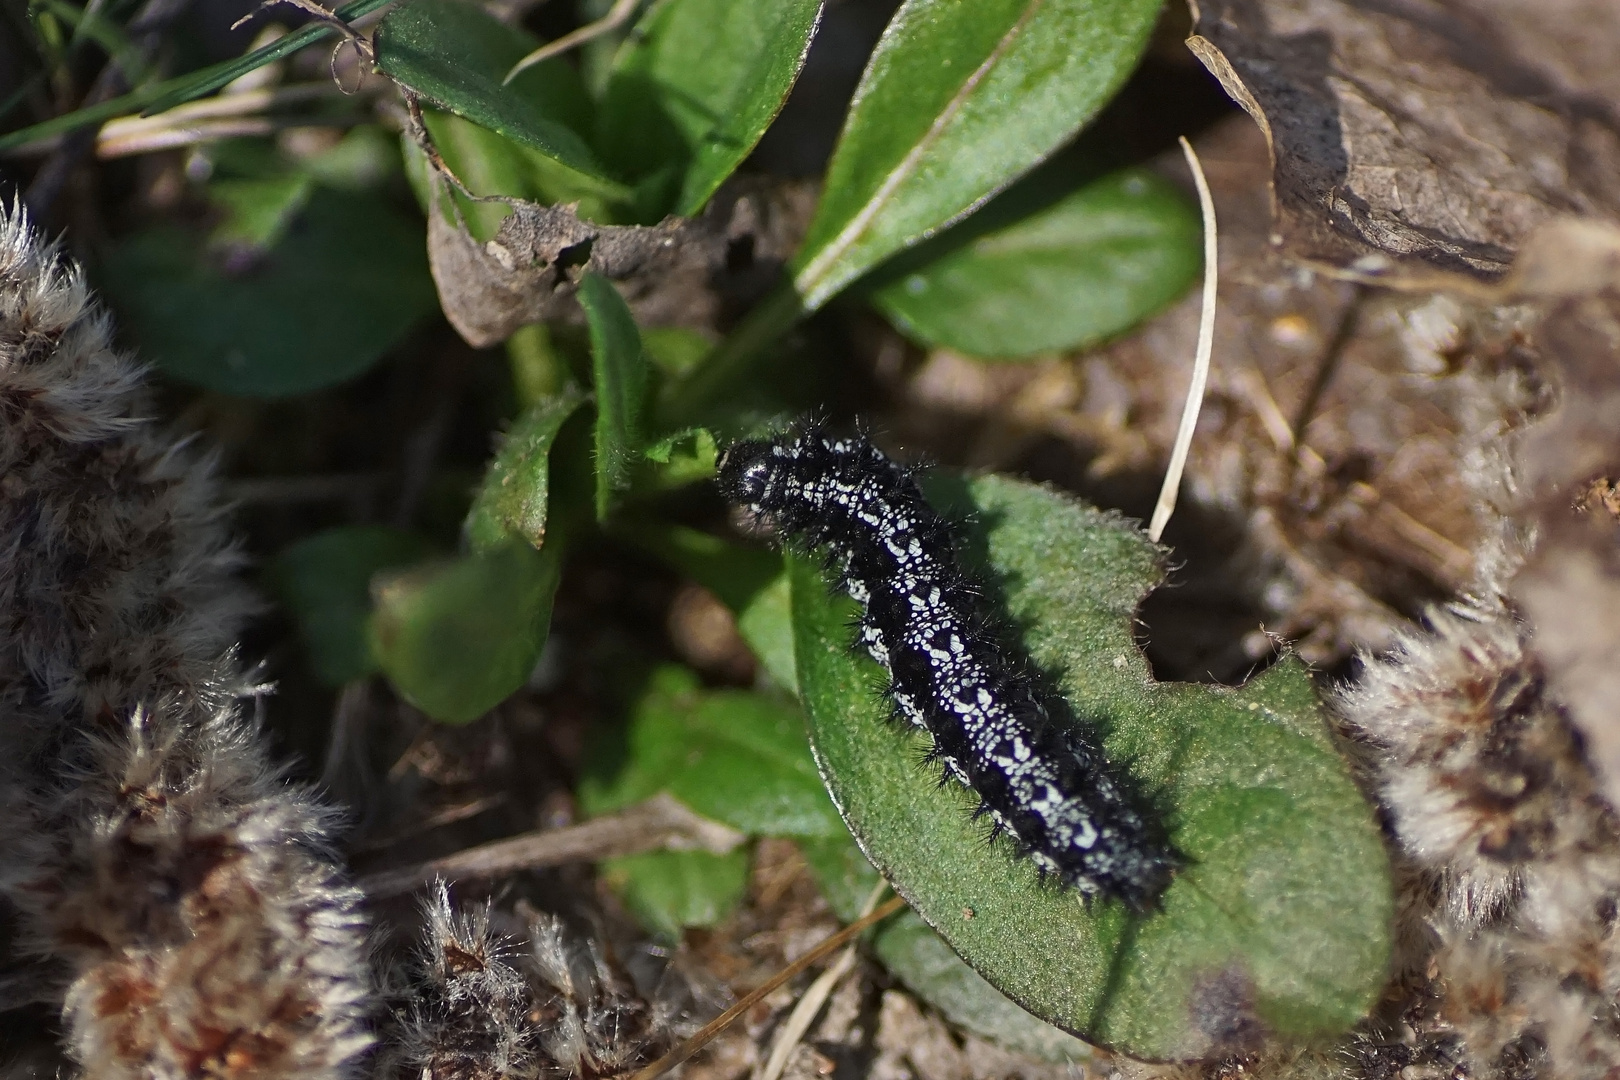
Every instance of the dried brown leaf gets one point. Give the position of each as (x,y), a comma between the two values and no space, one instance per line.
(693,272)
(1424,135)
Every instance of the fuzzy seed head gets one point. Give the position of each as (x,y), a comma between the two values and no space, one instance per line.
(149,845)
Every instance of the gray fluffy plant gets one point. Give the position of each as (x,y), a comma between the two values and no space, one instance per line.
(1516,856)
(150,852)
(533,1001)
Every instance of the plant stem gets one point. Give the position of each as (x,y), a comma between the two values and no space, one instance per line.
(726,363)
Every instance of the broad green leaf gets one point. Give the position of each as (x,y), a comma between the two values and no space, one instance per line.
(514,499)
(457,637)
(668,891)
(766,624)
(1281,916)
(325,582)
(247,159)
(619,374)
(959,98)
(735,756)
(750,581)
(257,212)
(486,162)
(691,102)
(1083,269)
(918,957)
(491,164)
(455,55)
(320,307)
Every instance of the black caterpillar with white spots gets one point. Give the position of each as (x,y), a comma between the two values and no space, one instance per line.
(951,673)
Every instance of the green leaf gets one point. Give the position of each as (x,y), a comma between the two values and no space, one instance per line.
(539,370)
(734,756)
(257,212)
(457,637)
(668,891)
(737,757)
(619,372)
(490,164)
(766,624)
(514,499)
(918,957)
(454,54)
(320,307)
(686,457)
(325,582)
(1281,916)
(1080,270)
(748,580)
(675,350)
(248,159)
(486,162)
(88,22)
(959,98)
(694,102)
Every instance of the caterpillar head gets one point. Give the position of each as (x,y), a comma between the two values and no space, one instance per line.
(746,475)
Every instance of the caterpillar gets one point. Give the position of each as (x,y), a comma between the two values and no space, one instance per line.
(951,670)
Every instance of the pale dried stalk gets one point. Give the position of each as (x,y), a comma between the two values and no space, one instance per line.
(660,822)
(616,17)
(224,116)
(809,1006)
(1206,343)
(714,1027)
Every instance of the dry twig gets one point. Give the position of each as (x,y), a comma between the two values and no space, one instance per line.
(805,1012)
(660,822)
(748,1001)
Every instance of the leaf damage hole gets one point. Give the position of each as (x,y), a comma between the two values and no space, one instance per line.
(571,256)
(740,254)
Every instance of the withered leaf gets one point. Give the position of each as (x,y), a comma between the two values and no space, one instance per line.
(693,272)
(1439,133)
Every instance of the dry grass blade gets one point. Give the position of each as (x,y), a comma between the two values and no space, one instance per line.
(616,17)
(804,1013)
(1206,343)
(725,1019)
(657,823)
